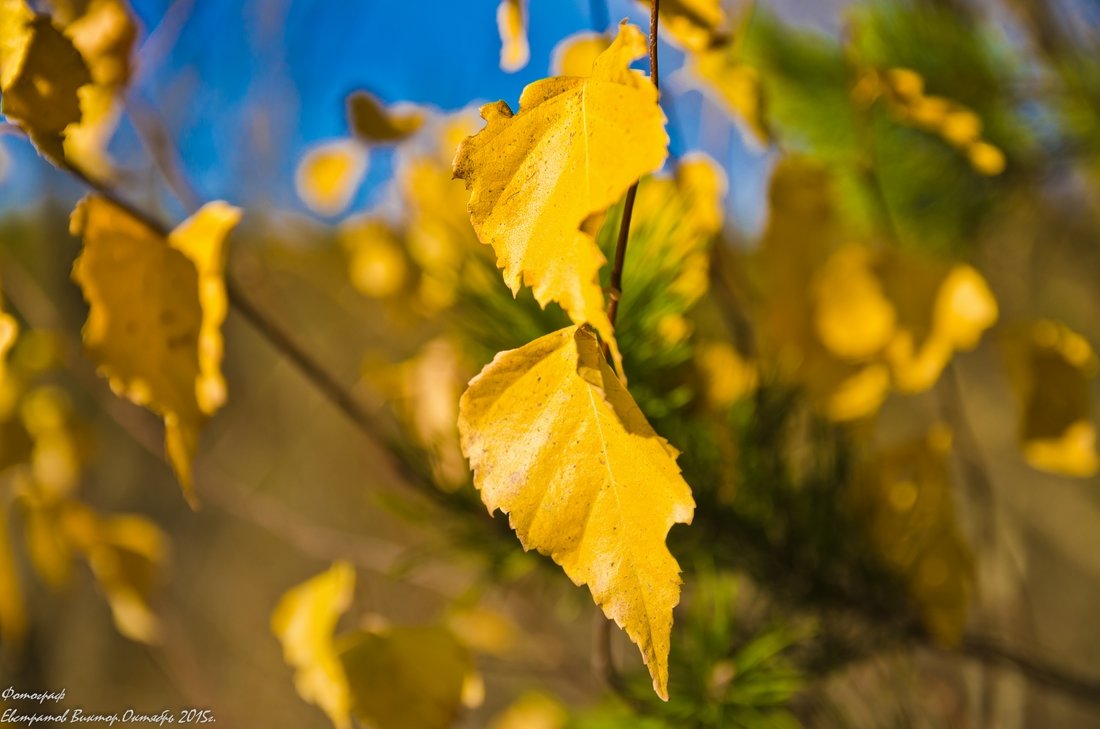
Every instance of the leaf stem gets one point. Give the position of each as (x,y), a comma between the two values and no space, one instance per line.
(616,292)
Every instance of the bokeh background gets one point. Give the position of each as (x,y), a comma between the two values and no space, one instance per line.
(801,578)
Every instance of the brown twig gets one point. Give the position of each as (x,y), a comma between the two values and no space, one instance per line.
(155,137)
(991,652)
(616,284)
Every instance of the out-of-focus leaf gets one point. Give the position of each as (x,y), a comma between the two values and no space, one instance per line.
(104,32)
(41,74)
(304,622)
(558,444)
(538,178)
(376,262)
(852,316)
(804,230)
(431,384)
(373,123)
(485,630)
(736,86)
(156,306)
(693,24)
(512,26)
(941,308)
(9,330)
(728,376)
(126,558)
(405,677)
(904,498)
(532,711)
(1052,368)
(575,55)
(329,175)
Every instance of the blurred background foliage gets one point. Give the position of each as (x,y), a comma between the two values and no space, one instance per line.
(861,300)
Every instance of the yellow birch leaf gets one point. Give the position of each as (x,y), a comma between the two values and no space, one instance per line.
(558,444)
(304,622)
(329,175)
(406,677)
(370,121)
(40,77)
(536,177)
(512,25)
(1052,368)
(155,308)
(576,54)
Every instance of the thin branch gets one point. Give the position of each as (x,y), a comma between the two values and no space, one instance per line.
(156,139)
(616,292)
(991,652)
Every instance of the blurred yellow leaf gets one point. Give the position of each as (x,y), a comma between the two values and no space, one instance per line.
(127,558)
(693,24)
(535,178)
(433,381)
(376,261)
(986,159)
(1052,369)
(851,394)
(329,175)
(575,55)
(40,76)
(104,32)
(512,26)
(801,238)
(484,630)
(852,317)
(86,142)
(304,622)
(155,308)
(370,121)
(736,86)
(728,377)
(9,330)
(904,497)
(406,677)
(48,549)
(557,443)
(532,711)
(941,309)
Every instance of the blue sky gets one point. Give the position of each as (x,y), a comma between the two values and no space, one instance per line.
(245,87)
